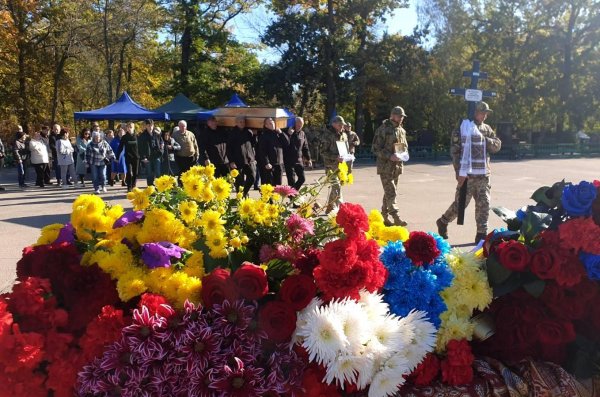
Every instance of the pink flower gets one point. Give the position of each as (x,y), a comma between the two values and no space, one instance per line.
(298,227)
(285,191)
(238,380)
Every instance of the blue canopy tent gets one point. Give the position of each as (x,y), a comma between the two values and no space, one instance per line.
(180,108)
(234,102)
(123,109)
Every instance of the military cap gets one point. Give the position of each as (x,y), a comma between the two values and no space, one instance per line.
(338,119)
(483,107)
(399,111)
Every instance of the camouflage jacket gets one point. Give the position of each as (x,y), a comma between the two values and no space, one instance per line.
(328,146)
(387,136)
(493,145)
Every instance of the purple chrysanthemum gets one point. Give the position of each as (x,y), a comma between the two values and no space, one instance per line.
(200,348)
(238,380)
(233,317)
(127,218)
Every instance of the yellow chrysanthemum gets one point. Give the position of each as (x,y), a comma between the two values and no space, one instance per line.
(453,327)
(188,211)
(49,234)
(217,244)
(394,233)
(161,225)
(211,221)
(236,242)
(88,204)
(193,187)
(131,284)
(156,279)
(113,213)
(246,207)
(196,172)
(113,257)
(209,171)
(266,192)
(234,173)
(207,194)
(375,217)
(221,188)
(164,183)
(139,198)
(194,265)
(245,239)
(189,290)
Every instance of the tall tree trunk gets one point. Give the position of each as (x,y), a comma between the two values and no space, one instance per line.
(58,71)
(121,68)
(331,69)
(186,45)
(23,97)
(361,84)
(565,84)
(108,56)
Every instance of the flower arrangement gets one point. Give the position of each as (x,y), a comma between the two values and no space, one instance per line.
(544,273)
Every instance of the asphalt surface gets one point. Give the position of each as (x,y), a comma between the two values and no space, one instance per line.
(426,190)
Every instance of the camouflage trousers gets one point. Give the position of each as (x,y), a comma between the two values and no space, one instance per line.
(478,188)
(334,200)
(389,180)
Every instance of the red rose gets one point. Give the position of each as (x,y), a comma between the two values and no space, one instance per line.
(298,291)
(551,332)
(513,255)
(338,256)
(278,320)
(251,281)
(421,248)
(571,270)
(456,375)
(217,287)
(426,371)
(545,263)
(459,352)
(353,219)
(307,261)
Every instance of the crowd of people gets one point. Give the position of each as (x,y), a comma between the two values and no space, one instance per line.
(259,155)
(115,156)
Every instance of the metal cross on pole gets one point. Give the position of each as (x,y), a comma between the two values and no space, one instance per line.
(472,95)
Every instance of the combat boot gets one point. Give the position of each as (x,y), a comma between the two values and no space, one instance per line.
(398,221)
(442,228)
(386,220)
(479,237)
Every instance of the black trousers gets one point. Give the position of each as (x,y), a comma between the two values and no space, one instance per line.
(184,163)
(246,178)
(47,173)
(221,170)
(40,174)
(133,167)
(293,170)
(273,176)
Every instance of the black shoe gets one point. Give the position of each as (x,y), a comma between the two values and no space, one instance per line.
(2,188)
(479,237)
(69,183)
(442,228)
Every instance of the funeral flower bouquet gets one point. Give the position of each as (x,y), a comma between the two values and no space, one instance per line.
(545,270)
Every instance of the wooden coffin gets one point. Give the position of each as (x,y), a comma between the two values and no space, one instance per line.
(255,116)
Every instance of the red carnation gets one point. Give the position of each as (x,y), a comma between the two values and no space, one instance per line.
(513,255)
(421,248)
(153,302)
(338,256)
(545,263)
(21,351)
(251,281)
(353,219)
(347,285)
(426,371)
(278,320)
(307,261)
(571,270)
(298,291)
(580,234)
(459,352)
(367,250)
(216,287)
(456,375)
(6,319)
(102,331)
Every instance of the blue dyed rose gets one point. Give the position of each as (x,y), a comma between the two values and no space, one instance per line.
(592,265)
(577,200)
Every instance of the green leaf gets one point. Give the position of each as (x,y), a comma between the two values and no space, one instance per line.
(535,288)
(508,216)
(497,273)
(584,356)
(513,282)
(210,263)
(239,256)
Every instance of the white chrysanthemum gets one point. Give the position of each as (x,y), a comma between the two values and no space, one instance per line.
(373,305)
(355,325)
(344,368)
(389,336)
(423,341)
(387,381)
(367,371)
(323,335)
(301,319)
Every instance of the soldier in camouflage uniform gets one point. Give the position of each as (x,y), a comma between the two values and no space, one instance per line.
(331,158)
(478,186)
(389,141)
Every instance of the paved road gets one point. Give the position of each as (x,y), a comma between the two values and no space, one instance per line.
(426,191)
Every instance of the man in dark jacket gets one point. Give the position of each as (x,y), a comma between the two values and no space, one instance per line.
(295,154)
(129,143)
(240,152)
(213,147)
(150,148)
(270,144)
